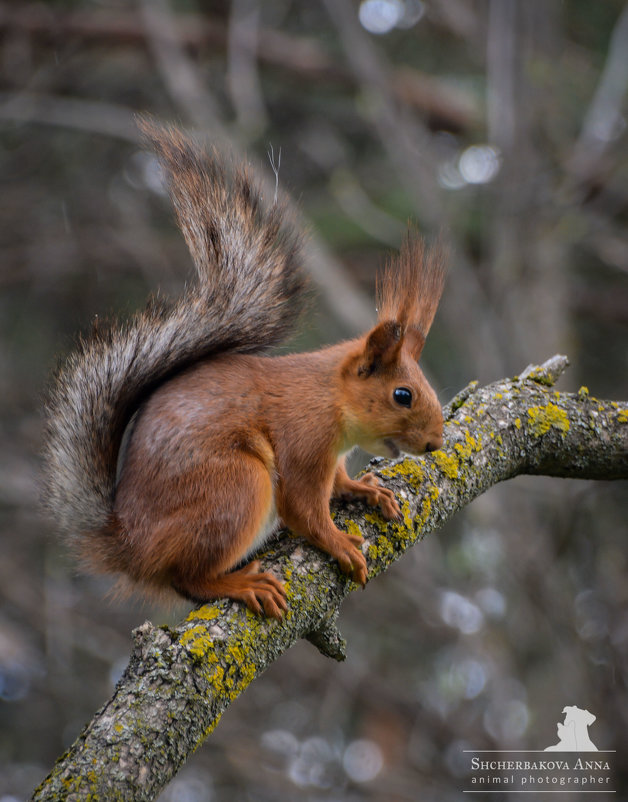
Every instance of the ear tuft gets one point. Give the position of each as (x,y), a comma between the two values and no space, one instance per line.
(414,341)
(410,289)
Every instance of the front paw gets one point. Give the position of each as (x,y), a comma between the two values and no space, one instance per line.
(381,497)
(351,560)
(262,592)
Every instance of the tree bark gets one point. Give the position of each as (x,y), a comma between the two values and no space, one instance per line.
(180,680)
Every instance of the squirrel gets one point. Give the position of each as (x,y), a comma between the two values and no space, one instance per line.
(175,445)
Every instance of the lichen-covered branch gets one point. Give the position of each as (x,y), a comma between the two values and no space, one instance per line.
(180,681)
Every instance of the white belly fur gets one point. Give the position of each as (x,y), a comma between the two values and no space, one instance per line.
(268,527)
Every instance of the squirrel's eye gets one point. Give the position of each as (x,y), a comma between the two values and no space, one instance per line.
(403,396)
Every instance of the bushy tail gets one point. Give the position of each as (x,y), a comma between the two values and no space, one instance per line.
(248,295)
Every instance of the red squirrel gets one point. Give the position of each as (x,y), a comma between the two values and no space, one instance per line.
(224,442)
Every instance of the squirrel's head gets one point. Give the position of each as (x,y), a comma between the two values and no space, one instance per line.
(390,406)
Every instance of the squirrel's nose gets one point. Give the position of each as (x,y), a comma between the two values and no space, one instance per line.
(434,444)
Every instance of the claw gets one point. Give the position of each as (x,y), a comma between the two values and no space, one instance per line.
(378,496)
(264,588)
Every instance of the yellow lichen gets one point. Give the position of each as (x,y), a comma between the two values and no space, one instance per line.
(447,464)
(352,528)
(405,511)
(377,520)
(426,508)
(409,469)
(420,519)
(204,613)
(289,588)
(198,643)
(539,376)
(384,547)
(622,416)
(464,450)
(209,730)
(518,423)
(542,419)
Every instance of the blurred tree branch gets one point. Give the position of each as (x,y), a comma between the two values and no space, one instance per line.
(80,114)
(302,56)
(405,139)
(180,680)
(349,302)
(603,120)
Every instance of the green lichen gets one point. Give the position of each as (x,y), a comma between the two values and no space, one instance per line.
(539,376)
(463,396)
(542,419)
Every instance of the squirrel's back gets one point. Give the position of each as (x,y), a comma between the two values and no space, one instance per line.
(248,295)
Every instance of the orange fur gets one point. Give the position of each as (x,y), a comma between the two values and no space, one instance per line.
(216,449)
(227,442)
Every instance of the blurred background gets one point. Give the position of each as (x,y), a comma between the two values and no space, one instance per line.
(501,123)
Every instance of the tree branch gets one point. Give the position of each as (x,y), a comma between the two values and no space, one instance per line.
(179,681)
(444,106)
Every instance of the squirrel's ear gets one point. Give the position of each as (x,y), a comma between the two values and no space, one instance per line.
(382,347)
